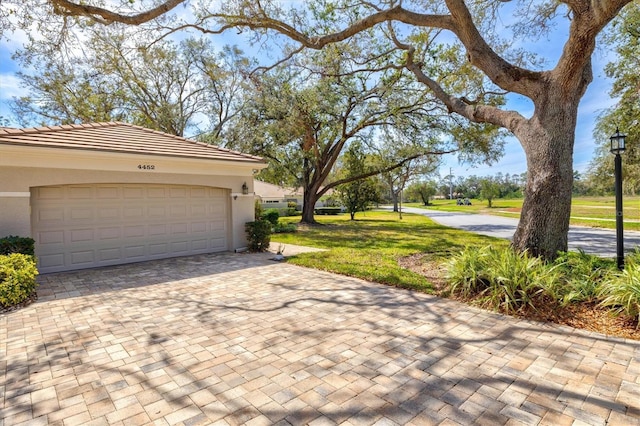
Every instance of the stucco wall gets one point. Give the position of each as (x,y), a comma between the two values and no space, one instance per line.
(15,214)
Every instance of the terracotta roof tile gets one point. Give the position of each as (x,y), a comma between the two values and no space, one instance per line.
(119,137)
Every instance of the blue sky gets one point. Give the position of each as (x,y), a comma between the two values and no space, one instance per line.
(513,162)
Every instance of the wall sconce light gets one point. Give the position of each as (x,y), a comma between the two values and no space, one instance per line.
(245,189)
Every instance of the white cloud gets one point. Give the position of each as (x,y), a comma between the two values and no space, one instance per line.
(10,87)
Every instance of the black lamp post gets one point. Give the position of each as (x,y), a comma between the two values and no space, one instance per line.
(617,148)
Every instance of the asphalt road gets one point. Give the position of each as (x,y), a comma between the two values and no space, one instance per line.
(600,242)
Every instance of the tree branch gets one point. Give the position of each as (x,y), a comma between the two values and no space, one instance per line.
(379,171)
(106,16)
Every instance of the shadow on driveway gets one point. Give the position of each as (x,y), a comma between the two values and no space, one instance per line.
(240,339)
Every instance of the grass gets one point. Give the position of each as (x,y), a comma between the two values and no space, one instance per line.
(370,246)
(597,212)
(409,252)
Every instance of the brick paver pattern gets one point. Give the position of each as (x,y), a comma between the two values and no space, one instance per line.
(239,339)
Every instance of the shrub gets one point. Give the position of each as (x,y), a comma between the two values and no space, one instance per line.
(621,290)
(259,235)
(292,208)
(13,244)
(271,215)
(281,228)
(17,278)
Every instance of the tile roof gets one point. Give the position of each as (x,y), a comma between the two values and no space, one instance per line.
(119,137)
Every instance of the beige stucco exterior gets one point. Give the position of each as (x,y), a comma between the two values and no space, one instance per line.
(25,167)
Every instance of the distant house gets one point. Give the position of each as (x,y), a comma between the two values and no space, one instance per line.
(277,197)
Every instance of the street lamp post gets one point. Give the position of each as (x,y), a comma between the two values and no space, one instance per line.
(617,148)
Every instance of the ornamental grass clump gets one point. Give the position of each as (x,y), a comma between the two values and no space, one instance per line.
(620,291)
(582,275)
(467,272)
(502,279)
(17,279)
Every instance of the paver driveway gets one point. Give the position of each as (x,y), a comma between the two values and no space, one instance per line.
(239,339)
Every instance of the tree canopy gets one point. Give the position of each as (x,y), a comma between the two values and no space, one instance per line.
(471,34)
(625,114)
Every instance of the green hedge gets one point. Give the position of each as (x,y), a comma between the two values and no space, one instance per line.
(17,278)
(13,244)
(328,210)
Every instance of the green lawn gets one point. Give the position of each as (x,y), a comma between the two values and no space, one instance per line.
(597,212)
(370,246)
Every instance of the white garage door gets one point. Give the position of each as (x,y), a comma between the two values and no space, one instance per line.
(84,226)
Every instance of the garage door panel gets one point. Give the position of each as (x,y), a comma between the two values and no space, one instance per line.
(51,261)
(198,192)
(179,228)
(129,192)
(55,214)
(50,193)
(158,249)
(108,193)
(178,192)
(134,252)
(198,245)
(155,230)
(136,231)
(83,258)
(218,226)
(157,212)
(114,233)
(109,213)
(81,214)
(156,193)
(178,211)
(110,254)
(81,235)
(80,192)
(219,243)
(80,226)
(133,213)
(198,227)
(181,247)
(50,237)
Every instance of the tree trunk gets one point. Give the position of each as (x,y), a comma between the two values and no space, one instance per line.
(308,206)
(548,143)
(394,199)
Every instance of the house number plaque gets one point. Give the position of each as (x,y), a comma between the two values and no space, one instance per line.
(146,166)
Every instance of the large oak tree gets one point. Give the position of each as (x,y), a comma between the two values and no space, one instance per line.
(547,136)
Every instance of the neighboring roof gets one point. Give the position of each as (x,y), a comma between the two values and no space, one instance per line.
(119,137)
(268,190)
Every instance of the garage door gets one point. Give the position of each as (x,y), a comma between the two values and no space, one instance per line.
(84,226)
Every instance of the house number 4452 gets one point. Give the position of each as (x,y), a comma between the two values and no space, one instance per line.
(146,166)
